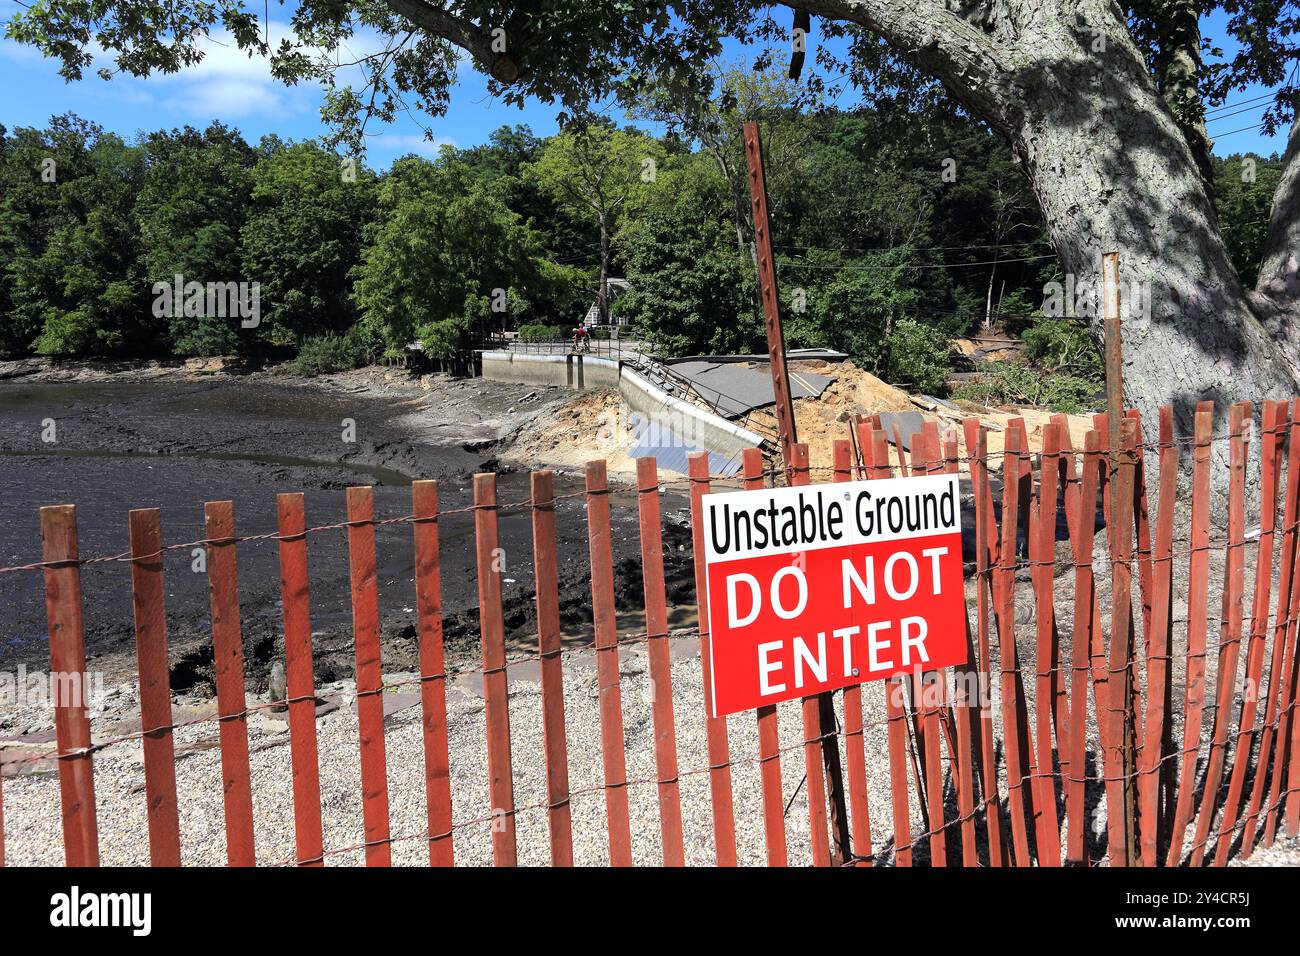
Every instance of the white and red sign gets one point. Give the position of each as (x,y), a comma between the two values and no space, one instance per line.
(819,587)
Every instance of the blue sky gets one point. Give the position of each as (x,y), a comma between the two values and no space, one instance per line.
(230,87)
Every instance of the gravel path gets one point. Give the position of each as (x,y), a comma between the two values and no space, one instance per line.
(32,818)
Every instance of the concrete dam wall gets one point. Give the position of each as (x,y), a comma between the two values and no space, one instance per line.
(665,416)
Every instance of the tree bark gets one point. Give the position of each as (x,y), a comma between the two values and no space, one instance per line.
(602,297)
(1112,172)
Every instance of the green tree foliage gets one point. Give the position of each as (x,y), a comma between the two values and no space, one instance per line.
(848,304)
(190,212)
(303,237)
(917,356)
(507,235)
(70,272)
(691,290)
(1058,346)
(444,254)
(603,176)
(1243,191)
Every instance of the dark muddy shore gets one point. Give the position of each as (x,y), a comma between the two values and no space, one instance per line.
(174,443)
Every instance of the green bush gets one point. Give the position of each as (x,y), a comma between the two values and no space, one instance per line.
(327,353)
(540,333)
(1014,383)
(443,338)
(1060,347)
(918,356)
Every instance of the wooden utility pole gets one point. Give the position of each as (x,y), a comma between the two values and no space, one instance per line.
(842,851)
(771,304)
(1120,534)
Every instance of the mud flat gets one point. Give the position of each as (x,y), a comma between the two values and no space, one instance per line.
(172,437)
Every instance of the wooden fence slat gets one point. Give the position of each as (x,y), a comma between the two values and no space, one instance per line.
(369,674)
(1046,836)
(1042,558)
(68,665)
(854,744)
(1120,658)
(607,675)
(724,820)
(1082,626)
(228,659)
(929,688)
(299,680)
(1293,778)
(1230,635)
(1142,525)
(1142,557)
(898,448)
(896,715)
(555,741)
(433,672)
(496,686)
(1016,747)
(1290,420)
(1097,652)
(919,724)
(660,662)
(1197,596)
(1060,687)
(1270,453)
(769,740)
(934,465)
(1077,512)
(155,687)
(1286,678)
(977,449)
(1159,643)
(1286,753)
(814,767)
(967,713)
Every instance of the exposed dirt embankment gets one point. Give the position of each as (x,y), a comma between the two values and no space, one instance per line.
(823,420)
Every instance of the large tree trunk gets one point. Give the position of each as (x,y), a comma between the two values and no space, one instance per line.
(1112,172)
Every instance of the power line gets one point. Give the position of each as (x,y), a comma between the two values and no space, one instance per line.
(1233,132)
(1248,109)
(1228,106)
(986,245)
(913,265)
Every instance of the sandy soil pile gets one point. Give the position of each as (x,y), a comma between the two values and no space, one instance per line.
(593,424)
(823,420)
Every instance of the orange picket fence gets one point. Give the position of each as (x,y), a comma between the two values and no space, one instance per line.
(992,765)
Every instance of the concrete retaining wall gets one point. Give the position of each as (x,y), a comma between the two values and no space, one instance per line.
(536,370)
(689,422)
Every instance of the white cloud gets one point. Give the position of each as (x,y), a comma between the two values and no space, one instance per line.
(229,84)
(399,144)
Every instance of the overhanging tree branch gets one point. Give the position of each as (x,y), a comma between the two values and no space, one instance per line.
(466,35)
(970,60)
